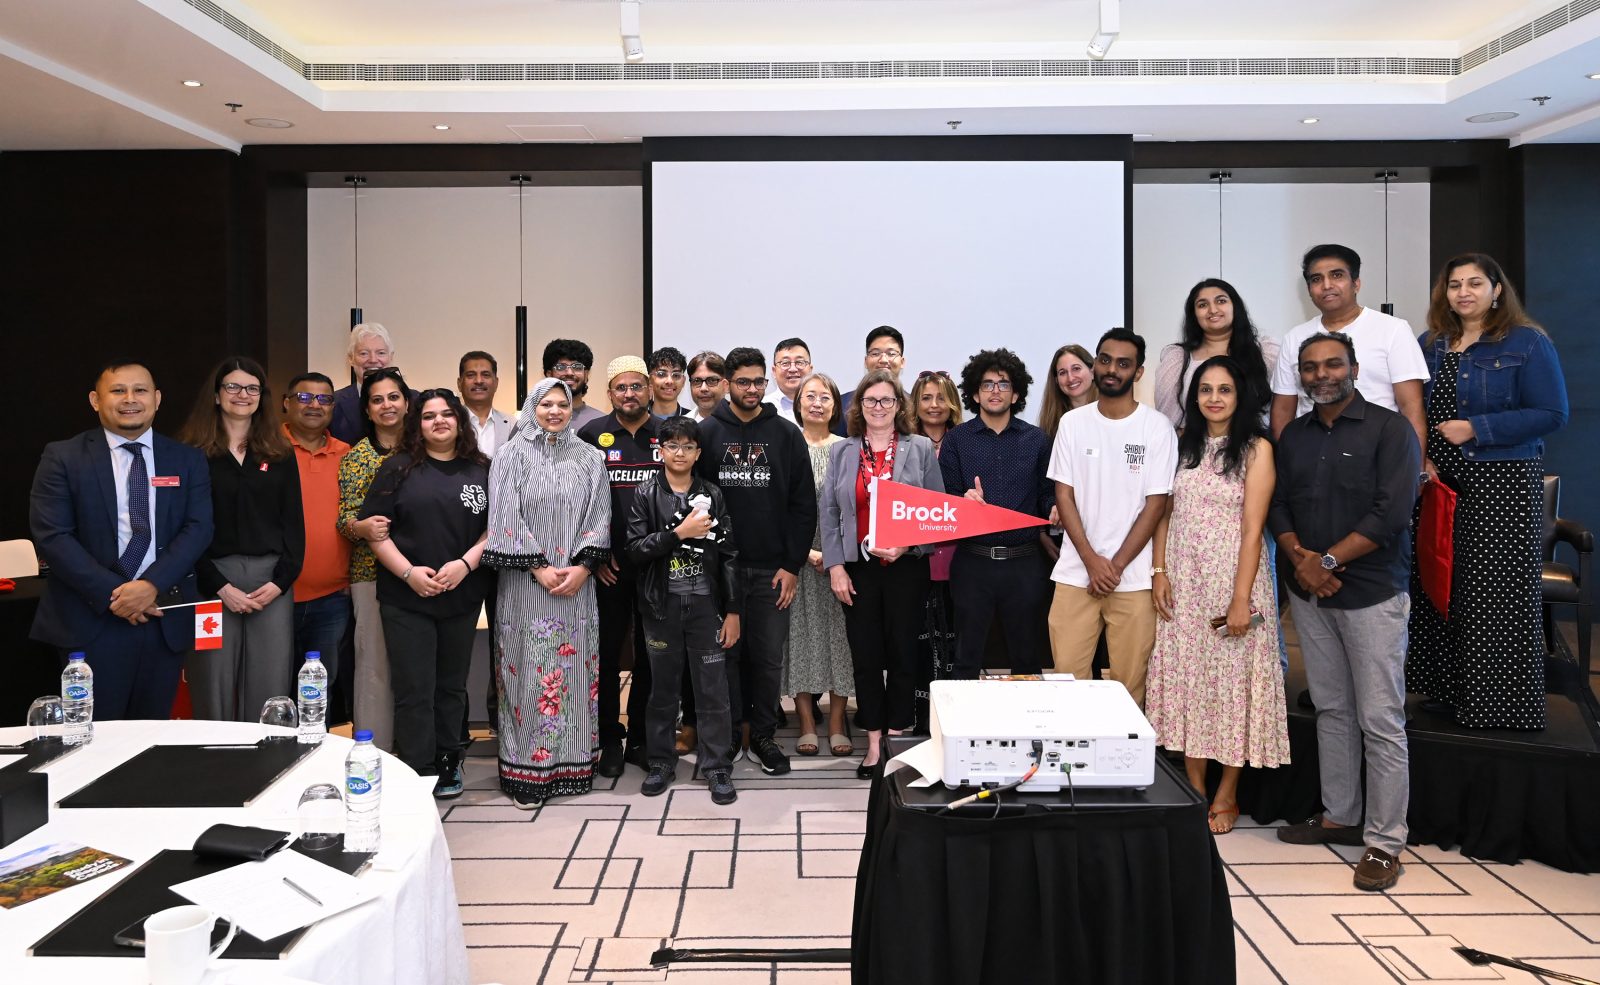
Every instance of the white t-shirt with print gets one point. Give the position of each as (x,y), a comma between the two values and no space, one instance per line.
(1386,349)
(1112,466)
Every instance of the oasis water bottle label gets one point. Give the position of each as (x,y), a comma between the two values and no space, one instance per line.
(310,692)
(358,785)
(77,692)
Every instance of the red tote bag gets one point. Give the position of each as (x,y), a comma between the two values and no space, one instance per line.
(1436,542)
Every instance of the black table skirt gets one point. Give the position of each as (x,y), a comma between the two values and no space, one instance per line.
(1112,896)
(32,668)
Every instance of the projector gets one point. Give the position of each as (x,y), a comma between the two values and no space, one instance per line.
(1093,735)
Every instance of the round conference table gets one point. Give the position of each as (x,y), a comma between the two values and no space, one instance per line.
(410,935)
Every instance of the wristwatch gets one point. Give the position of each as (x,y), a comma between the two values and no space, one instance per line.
(1328,562)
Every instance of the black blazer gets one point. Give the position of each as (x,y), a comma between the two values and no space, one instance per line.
(73,517)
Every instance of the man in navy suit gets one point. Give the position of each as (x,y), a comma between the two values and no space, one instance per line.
(121,515)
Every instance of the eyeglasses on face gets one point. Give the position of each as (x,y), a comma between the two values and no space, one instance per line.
(668,374)
(801,363)
(883,353)
(676,448)
(628,388)
(704,380)
(818,398)
(995,386)
(759,383)
(879,403)
(253,389)
(568,368)
(300,396)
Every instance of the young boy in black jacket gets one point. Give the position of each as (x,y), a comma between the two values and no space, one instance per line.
(681,539)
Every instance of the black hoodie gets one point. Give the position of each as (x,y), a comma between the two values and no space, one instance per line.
(764,471)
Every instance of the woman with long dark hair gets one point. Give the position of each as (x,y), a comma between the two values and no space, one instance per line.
(1495,389)
(259,544)
(1215,688)
(383,408)
(1215,323)
(435,492)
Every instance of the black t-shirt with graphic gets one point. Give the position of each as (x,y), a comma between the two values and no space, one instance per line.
(686,566)
(436,512)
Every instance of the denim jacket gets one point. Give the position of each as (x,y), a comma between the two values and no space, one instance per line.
(1511,392)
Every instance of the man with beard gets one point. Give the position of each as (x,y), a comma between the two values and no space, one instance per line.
(1112,464)
(626,438)
(478,379)
(1341,514)
(999,459)
(569,361)
(322,590)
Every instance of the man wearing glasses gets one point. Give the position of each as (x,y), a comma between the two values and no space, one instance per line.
(568,360)
(322,591)
(627,441)
(999,459)
(667,373)
(791,364)
(886,350)
(759,459)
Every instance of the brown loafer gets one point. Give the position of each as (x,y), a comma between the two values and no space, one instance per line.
(686,740)
(1312,831)
(1377,870)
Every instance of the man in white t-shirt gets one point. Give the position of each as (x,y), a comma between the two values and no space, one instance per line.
(1393,368)
(1112,464)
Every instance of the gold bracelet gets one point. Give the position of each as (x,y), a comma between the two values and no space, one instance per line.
(1158,571)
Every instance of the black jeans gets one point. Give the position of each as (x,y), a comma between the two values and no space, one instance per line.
(428,661)
(883,624)
(687,634)
(618,605)
(1016,591)
(755,679)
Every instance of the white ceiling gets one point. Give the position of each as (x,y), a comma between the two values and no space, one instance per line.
(104,74)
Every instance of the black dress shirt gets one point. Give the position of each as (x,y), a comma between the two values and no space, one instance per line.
(1359,476)
(1012,464)
(256,508)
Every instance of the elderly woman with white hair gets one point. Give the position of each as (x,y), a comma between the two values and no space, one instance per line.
(370,348)
(549,528)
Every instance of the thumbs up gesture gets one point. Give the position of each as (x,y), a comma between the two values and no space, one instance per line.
(976,492)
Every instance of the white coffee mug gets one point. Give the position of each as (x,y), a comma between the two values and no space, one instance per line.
(177,944)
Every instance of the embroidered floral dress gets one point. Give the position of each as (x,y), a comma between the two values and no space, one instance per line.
(549,504)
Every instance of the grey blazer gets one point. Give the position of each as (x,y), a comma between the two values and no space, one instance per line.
(915,464)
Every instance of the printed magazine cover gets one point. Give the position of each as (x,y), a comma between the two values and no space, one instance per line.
(51,868)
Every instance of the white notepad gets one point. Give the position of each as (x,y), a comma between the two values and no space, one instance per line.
(259,897)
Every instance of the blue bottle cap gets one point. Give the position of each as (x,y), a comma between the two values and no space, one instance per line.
(314,655)
(75,655)
(363,735)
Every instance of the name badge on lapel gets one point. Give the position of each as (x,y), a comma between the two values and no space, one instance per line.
(166,481)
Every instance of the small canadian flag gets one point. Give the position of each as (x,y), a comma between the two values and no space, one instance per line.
(208,625)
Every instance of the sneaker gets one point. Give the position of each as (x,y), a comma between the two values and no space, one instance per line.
(720,783)
(449,784)
(523,802)
(661,777)
(610,764)
(1377,871)
(770,755)
(1312,831)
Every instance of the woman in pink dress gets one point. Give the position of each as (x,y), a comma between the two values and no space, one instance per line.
(1216,689)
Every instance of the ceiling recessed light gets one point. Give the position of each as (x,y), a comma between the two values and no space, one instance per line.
(1492,117)
(441,126)
(1594,76)
(193,83)
(1311,119)
(268,123)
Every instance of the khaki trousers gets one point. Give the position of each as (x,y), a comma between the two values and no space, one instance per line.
(1129,621)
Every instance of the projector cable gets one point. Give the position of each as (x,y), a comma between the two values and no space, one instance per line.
(995,792)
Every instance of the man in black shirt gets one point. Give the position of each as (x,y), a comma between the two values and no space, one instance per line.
(1341,514)
(627,439)
(761,463)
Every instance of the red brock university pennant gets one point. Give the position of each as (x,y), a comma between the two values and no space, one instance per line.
(906,516)
(208,626)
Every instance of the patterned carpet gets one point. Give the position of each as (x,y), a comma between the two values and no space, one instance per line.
(584,889)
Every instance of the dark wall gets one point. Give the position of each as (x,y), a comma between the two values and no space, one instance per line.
(108,255)
(1559,257)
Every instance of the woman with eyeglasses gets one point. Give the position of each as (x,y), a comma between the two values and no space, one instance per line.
(882,589)
(383,403)
(1072,369)
(938,409)
(257,549)
(708,384)
(434,491)
(819,650)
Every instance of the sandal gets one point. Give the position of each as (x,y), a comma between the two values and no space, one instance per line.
(840,744)
(807,744)
(1224,816)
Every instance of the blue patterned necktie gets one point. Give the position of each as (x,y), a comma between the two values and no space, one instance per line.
(138,511)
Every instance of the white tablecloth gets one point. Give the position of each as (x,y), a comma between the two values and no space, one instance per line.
(410,935)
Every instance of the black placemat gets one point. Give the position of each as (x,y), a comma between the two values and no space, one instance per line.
(220,775)
(88,933)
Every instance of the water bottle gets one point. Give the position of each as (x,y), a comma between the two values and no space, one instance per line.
(77,700)
(363,783)
(313,699)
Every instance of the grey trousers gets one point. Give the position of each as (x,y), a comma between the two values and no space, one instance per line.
(374,697)
(1355,663)
(255,661)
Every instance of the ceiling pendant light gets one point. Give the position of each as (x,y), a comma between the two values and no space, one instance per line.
(356,181)
(1386,175)
(522,307)
(1219,177)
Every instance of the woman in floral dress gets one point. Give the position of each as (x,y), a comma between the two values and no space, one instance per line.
(549,527)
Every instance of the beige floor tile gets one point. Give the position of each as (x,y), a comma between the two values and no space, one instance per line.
(510,935)
(1316,919)
(1482,893)
(1248,965)
(1514,935)
(1556,891)
(517,965)
(1333,879)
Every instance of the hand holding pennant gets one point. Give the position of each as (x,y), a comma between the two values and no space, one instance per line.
(907,516)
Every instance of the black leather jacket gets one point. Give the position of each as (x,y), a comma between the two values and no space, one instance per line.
(652,519)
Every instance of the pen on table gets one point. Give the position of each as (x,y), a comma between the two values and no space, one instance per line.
(290,883)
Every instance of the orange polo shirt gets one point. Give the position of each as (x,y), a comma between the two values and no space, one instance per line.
(327,565)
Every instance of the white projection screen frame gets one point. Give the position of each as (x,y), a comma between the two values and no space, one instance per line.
(957,255)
